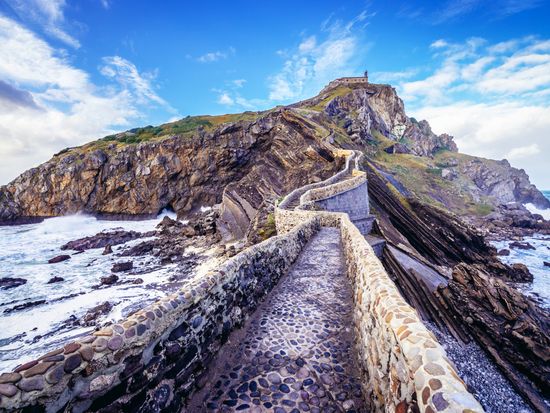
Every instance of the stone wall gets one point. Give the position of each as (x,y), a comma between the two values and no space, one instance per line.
(152,359)
(401,362)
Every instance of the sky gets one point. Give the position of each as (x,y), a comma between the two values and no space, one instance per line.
(76,70)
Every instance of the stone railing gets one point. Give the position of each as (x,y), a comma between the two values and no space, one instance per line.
(153,357)
(401,362)
(317,194)
(349,167)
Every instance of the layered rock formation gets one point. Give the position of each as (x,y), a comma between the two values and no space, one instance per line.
(419,185)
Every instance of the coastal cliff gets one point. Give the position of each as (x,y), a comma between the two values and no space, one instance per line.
(434,206)
(248,160)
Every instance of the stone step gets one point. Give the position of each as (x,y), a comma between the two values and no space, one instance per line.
(377,244)
(364,225)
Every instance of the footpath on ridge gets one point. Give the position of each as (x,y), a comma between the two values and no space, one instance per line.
(295,353)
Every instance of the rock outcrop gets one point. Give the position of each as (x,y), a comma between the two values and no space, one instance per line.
(237,164)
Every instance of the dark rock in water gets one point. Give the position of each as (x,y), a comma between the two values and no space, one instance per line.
(503,252)
(93,313)
(546,263)
(59,258)
(108,249)
(55,279)
(141,249)
(6,283)
(521,245)
(24,306)
(520,273)
(122,266)
(138,281)
(103,239)
(109,280)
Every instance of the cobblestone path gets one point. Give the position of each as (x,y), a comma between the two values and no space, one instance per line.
(295,354)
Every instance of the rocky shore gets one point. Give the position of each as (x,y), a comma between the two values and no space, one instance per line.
(124,270)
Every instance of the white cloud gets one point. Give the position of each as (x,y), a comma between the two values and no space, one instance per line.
(439,43)
(127,75)
(212,57)
(225,99)
(392,76)
(106,4)
(497,131)
(47,13)
(523,151)
(58,105)
(495,100)
(216,55)
(239,82)
(315,62)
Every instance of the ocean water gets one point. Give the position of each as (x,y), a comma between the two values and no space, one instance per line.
(539,289)
(24,252)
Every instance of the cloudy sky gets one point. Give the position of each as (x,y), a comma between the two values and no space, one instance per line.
(72,71)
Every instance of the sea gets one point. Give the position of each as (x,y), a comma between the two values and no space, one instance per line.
(49,319)
(539,289)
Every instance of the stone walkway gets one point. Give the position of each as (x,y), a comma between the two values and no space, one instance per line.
(295,354)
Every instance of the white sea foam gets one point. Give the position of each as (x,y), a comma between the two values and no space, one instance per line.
(534,260)
(534,210)
(24,251)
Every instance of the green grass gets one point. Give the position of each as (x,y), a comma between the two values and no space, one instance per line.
(268,229)
(339,91)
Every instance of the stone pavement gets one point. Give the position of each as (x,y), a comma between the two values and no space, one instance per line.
(295,354)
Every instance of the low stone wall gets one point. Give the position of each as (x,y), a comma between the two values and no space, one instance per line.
(349,167)
(400,359)
(151,360)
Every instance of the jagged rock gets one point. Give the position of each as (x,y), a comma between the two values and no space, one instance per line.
(55,280)
(122,266)
(511,327)
(546,263)
(521,245)
(95,312)
(103,239)
(520,273)
(188,231)
(140,249)
(503,252)
(109,280)
(125,180)
(397,148)
(449,174)
(59,258)
(7,282)
(24,306)
(107,250)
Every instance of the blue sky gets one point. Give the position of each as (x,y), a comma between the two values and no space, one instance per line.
(71,71)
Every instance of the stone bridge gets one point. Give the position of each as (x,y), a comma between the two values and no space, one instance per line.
(306,321)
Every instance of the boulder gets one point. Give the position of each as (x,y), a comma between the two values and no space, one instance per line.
(122,266)
(520,273)
(503,252)
(55,279)
(521,245)
(109,280)
(7,282)
(59,258)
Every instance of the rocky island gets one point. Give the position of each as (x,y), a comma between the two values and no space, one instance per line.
(341,228)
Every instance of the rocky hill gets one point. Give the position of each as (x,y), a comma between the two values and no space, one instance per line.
(244,162)
(424,193)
